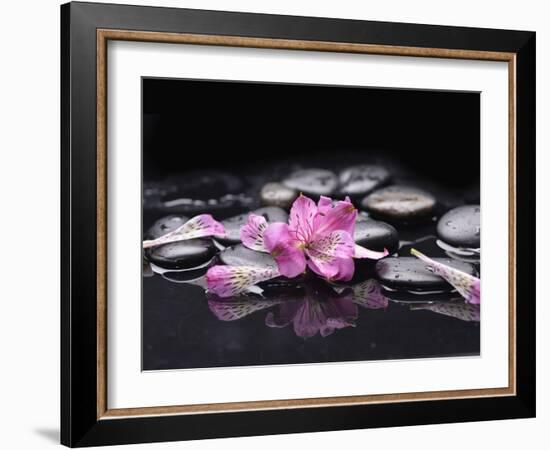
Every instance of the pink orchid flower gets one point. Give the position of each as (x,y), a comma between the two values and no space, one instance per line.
(317,236)
(199,226)
(466,285)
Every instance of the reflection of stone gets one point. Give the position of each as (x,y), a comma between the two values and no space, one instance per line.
(456,308)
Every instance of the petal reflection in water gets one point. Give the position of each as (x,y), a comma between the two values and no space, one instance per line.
(237,308)
(458,309)
(368,294)
(323,310)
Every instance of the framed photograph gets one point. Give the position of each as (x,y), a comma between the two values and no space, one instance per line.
(276,224)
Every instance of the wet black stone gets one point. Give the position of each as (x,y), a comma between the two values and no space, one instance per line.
(165,225)
(314,182)
(233,224)
(399,202)
(187,276)
(360,180)
(183,254)
(376,235)
(275,194)
(239,255)
(411,273)
(460,226)
(204,192)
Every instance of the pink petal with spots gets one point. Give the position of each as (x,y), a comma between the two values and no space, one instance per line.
(252,233)
(466,285)
(362,252)
(199,226)
(302,215)
(341,269)
(338,244)
(341,216)
(280,242)
(328,255)
(228,281)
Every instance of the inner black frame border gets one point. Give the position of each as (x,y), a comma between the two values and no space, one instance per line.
(80,425)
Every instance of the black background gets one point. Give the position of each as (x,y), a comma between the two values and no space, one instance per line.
(190,124)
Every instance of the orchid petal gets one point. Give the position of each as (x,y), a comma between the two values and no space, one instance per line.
(330,256)
(284,248)
(340,269)
(252,233)
(324,204)
(197,227)
(228,281)
(362,252)
(466,285)
(341,216)
(301,218)
(368,294)
(338,244)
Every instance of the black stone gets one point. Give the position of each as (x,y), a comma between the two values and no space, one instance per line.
(233,224)
(313,182)
(360,180)
(460,226)
(204,192)
(399,202)
(239,255)
(410,273)
(187,254)
(376,235)
(275,194)
(164,225)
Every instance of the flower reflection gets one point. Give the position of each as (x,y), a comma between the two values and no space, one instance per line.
(313,308)
(458,309)
(234,309)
